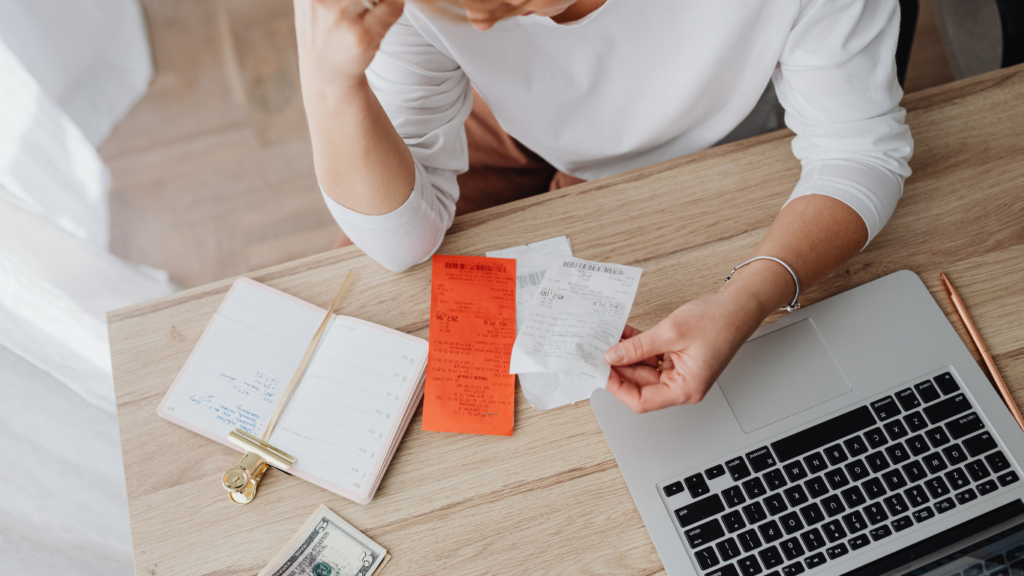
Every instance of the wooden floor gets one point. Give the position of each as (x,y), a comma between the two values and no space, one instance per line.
(212,170)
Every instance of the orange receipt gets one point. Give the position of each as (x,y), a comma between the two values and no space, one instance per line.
(472,330)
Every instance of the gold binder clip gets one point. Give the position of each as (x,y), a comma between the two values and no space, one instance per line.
(242,480)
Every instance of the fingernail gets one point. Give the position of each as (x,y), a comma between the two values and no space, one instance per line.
(614,355)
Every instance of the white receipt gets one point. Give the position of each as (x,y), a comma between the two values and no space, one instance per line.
(542,390)
(579,312)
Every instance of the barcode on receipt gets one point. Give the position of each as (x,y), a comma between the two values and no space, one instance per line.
(531,279)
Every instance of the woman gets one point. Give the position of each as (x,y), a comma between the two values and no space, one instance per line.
(595,87)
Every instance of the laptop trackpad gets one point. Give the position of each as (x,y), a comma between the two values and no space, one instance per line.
(781,374)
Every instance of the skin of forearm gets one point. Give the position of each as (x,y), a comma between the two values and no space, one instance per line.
(360,160)
(814,234)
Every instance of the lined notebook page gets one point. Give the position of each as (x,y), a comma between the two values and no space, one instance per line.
(339,420)
(243,363)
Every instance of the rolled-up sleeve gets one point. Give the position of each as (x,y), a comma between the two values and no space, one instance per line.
(836,79)
(428,97)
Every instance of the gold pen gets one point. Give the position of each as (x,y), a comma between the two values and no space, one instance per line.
(976,338)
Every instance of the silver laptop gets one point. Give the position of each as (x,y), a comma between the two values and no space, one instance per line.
(857,436)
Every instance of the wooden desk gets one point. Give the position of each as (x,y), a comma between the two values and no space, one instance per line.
(550,499)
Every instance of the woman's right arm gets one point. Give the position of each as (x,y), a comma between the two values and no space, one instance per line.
(386,141)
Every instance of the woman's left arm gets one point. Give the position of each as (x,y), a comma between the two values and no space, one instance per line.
(837,80)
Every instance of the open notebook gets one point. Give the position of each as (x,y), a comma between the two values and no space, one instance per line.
(348,413)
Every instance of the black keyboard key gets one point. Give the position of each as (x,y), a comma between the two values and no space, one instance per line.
(876,461)
(728,549)
(853,497)
(977,470)
(965,425)
(792,548)
(987,487)
(927,391)
(733,522)
(895,429)
(837,478)
(770,531)
(836,551)
(791,523)
(796,495)
(754,488)
(875,513)
(714,472)
(873,488)
(761,459)
(957,479)
(1015,553)
(997,462)
(700,510)
(885,408)
(934,462)
(815,462)
(812,514)
(894,480)
(916,496)
(880,532)
(795,470)
(749,540)
(897,453)
(937,487)
(947,385)
(696,486)
(707,558)
(833,530)
(835,454)
(915,472)
(896,504)
(876,438)
(858,542)
(922,514)
(855,522)
(946,409)
(812,539)
(705,533)
(917,445)
(937,436)
(770,557)
(966,496)
(993,562)
(816,487)
(915,421)
(754,512)
(980,443)
(832,505)
(775,480)
(814,560)
(857,470)
(793,569)
(733,496)
(902,523)
(823,434)
(775,504)
(907,399)
(737,468)
(954,454)
(855,445)
(748,566)
(673,488)
(727,570)
(1007,478)
(944,505)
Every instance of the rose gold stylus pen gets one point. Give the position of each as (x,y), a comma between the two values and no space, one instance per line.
(976,338)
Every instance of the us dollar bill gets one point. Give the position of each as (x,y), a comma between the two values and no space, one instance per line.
(326,545)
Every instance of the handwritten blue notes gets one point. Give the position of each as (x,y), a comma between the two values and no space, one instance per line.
(346,416)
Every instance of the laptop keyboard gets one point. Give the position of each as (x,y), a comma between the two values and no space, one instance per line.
(811,497)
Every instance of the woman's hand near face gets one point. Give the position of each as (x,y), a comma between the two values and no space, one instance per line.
(338,39)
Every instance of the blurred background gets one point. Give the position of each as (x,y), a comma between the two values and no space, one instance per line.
(151,145)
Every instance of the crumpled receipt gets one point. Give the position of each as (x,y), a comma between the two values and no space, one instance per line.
(542,390)
(578,313)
